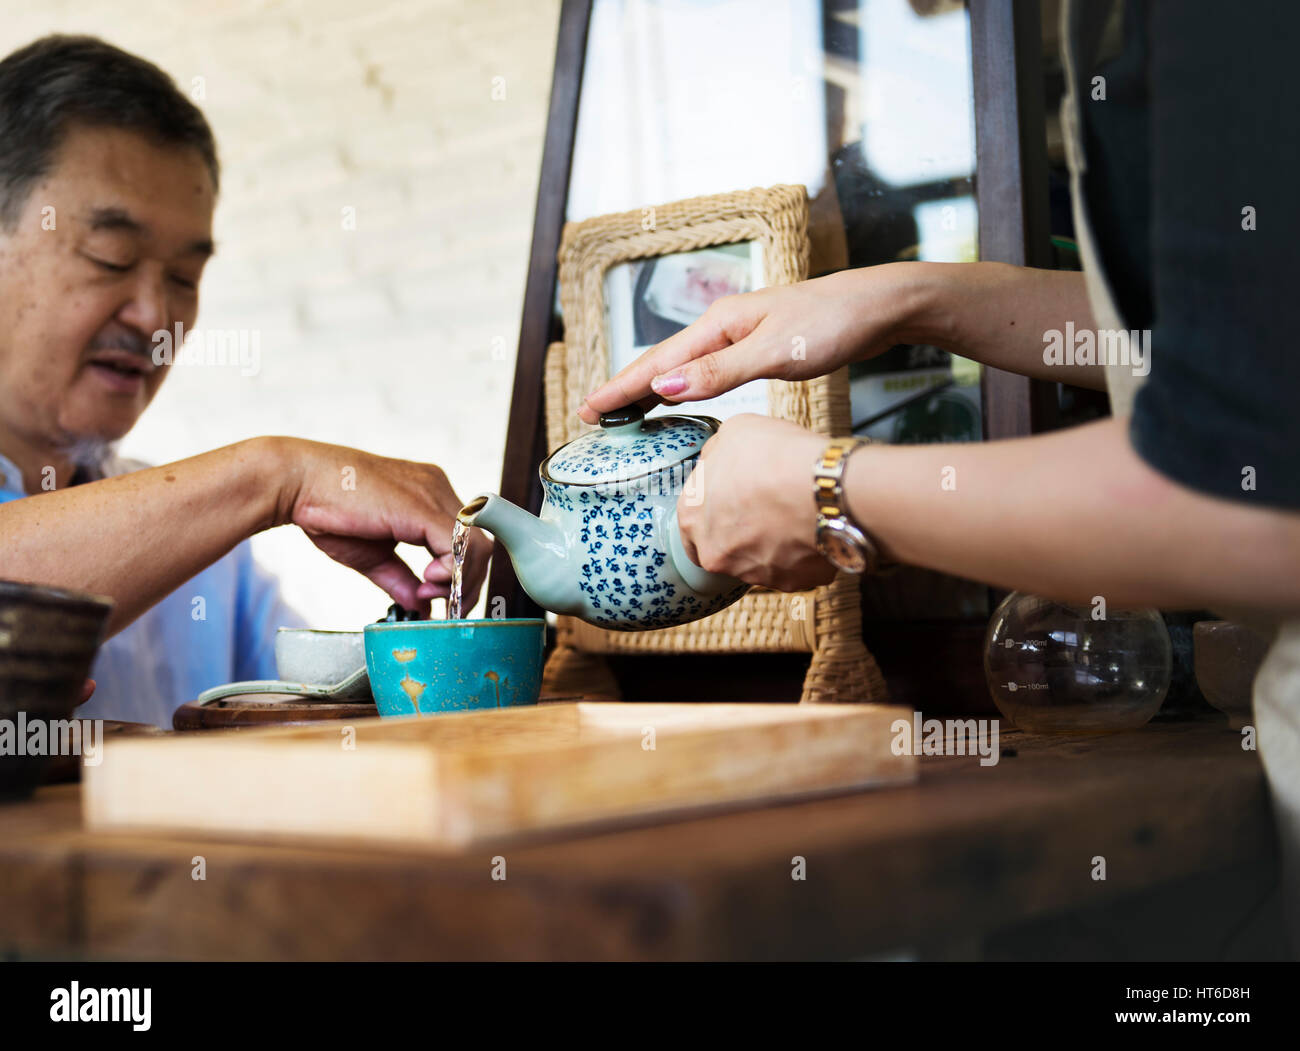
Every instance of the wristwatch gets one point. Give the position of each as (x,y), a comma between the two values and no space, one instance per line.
(845,544)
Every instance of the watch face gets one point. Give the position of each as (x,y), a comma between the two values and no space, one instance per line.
(843,545)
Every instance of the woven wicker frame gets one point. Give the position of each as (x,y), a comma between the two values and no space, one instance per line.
(825,622)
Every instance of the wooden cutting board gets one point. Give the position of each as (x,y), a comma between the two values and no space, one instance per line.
(452,780)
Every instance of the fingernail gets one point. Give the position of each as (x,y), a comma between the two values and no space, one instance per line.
(668,385)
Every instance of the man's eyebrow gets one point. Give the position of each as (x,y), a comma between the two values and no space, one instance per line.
(121,219)
(114,219)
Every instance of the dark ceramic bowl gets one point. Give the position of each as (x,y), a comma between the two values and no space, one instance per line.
(48,640)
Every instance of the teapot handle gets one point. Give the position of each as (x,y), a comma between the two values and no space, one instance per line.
(698,579)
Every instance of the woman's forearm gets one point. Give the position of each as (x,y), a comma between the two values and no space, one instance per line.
(996,314)
(1072,515)
(139,536)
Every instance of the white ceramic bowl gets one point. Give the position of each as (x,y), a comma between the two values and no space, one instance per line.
(318,658)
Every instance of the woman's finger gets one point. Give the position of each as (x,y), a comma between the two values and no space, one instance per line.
(727,320)
(711,375)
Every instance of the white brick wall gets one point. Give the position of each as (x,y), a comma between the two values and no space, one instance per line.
(379,337)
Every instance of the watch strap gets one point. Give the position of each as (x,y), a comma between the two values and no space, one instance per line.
(829,498)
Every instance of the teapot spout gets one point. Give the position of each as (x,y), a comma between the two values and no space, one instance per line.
(537,550)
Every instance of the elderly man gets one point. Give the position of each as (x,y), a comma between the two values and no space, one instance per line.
(108,179)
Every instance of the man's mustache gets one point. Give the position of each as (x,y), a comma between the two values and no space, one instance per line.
(132,342)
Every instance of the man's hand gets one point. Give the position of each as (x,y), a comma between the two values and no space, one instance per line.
(748,510)
(356,507)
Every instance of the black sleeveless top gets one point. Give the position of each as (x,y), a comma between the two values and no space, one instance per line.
(1193,172)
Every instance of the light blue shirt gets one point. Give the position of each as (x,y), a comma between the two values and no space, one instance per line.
(216,628)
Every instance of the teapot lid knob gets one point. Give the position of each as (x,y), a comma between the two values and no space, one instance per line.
(622,417)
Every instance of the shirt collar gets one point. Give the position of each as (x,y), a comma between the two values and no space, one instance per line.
(11,478)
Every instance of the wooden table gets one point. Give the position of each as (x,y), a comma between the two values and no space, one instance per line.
(941,869)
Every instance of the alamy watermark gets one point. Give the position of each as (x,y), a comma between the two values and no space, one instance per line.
(217,347)
(1104,346)
(921,736)
(83,737)
(93,1004)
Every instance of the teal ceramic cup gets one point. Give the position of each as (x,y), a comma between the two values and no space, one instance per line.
(429,666)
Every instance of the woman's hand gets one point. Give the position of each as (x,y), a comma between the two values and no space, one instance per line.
(789,333)
(748,508)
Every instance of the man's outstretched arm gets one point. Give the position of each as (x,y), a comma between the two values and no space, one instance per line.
(139,536)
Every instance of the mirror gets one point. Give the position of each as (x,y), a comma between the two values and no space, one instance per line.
(648,300)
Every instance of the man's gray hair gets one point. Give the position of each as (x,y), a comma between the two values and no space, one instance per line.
(59,81)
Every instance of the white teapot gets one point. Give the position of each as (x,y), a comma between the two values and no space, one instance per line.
(606,547)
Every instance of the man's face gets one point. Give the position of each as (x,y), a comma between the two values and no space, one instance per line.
(109,248)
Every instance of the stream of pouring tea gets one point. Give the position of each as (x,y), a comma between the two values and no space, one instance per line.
(459,541)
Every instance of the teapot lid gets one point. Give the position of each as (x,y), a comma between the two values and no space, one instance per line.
(628,446)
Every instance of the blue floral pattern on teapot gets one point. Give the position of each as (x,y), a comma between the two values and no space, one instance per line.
(605,546)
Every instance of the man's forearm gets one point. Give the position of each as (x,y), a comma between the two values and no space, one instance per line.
(139,536)
(998,315)
(1072,515)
